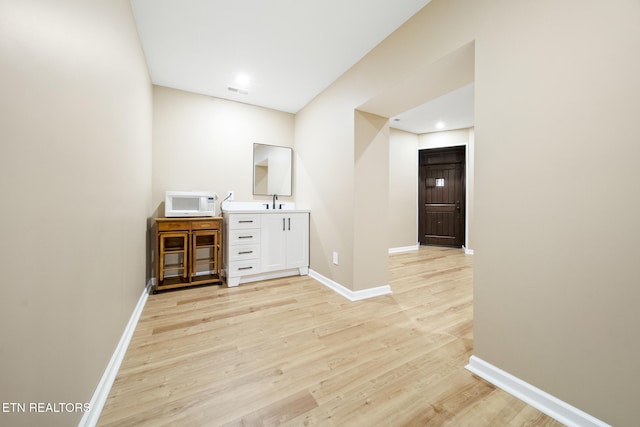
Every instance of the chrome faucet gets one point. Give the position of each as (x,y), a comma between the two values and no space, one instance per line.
(275,197)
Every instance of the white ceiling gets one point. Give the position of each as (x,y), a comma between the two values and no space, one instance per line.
(291,50)
(453,110)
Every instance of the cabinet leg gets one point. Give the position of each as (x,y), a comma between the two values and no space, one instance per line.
(233,282)
(304,271)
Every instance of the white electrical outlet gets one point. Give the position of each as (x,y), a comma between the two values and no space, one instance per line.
(335,257)
(230,195)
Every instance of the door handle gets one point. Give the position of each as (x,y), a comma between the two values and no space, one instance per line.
(282,224)
(289,224)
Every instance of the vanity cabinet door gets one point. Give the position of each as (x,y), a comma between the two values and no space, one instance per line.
(273,243)
(297,235)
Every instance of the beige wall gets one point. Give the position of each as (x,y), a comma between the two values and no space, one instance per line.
(557,200)
(205,143)
(324,176)
(403,189)
(556,203)
(75,180)
(371,195)
(443,139)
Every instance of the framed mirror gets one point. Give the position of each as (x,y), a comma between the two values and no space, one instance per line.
(272,170)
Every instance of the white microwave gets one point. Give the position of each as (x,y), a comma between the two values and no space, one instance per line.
(189,203)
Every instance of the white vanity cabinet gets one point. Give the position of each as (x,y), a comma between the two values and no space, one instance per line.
(265,244)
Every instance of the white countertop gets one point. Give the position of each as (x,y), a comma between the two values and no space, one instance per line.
(260,207)
(265,211)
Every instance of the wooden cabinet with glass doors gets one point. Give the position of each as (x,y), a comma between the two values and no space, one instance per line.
(188,252)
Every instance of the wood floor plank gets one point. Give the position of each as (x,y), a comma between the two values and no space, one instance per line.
(292,352)
(278,413)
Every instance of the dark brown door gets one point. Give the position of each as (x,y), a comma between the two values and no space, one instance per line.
(441,196)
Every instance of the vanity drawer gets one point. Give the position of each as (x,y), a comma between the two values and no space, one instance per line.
(242,268)
(244,237)
(244,252)
(242,221)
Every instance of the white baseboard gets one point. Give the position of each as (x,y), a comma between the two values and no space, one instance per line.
(99,398)
(544,402)
(348,293)
(404,249)
(416,247)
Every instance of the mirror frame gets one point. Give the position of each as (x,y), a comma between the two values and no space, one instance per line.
(286,187)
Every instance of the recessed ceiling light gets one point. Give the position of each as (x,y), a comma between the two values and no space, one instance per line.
(242,80)
(440,125)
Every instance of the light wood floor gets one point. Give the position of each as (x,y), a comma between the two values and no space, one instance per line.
(292,352)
